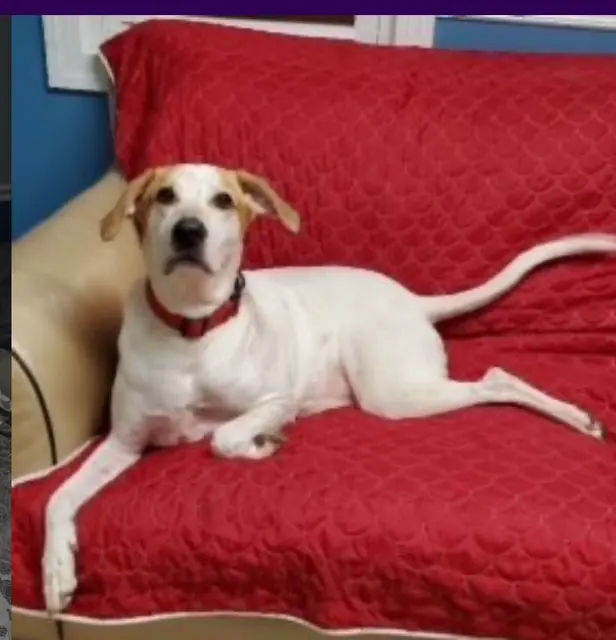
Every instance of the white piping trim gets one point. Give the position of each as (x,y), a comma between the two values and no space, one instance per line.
(111,91)
(37,475)
(334,633)
(108,70)
(191,615)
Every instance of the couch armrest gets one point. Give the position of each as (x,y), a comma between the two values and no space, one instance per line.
(68,289)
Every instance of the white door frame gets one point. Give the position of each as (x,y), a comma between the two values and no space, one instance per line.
(414,31)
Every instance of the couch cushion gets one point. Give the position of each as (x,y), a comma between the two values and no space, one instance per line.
(435,167)
(489,522)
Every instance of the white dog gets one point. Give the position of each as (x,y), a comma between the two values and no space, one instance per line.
(207,351)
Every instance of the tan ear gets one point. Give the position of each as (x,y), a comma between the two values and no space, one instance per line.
(126,205)
(264,200)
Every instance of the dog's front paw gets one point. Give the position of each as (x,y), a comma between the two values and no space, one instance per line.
(59,575)
(230,442)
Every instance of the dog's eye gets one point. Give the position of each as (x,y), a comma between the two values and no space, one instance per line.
(223,201)
(166,195)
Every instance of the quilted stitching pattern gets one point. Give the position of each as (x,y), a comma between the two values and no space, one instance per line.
(490,522)
(436,168)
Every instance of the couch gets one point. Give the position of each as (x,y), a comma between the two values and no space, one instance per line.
(433,167)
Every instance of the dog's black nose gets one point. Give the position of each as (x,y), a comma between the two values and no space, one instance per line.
(187,234)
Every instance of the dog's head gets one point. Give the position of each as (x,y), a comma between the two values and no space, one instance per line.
(191,220)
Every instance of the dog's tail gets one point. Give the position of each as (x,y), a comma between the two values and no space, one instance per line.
(456,304)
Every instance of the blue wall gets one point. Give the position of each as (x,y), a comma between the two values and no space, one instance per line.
(61,141)
(493,36)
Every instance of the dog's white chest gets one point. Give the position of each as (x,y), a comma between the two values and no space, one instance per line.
(185,405)
(182,390)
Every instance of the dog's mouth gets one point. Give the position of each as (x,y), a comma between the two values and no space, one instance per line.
(187,260)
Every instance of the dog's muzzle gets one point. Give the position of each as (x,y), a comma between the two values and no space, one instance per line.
(188,234)
(187,238)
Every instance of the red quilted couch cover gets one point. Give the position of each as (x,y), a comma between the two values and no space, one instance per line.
(436,168)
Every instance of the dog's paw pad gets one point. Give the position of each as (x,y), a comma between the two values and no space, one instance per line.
(267,443)
(231,443)
(595,429)
(263,439)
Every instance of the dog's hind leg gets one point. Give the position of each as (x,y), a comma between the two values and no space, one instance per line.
(396,372)
(432,397)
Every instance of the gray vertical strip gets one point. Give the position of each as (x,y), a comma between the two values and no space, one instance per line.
(5,495)
(5,330)
(5,129)
(5,102)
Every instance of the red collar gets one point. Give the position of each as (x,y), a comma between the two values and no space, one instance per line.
(194,328)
